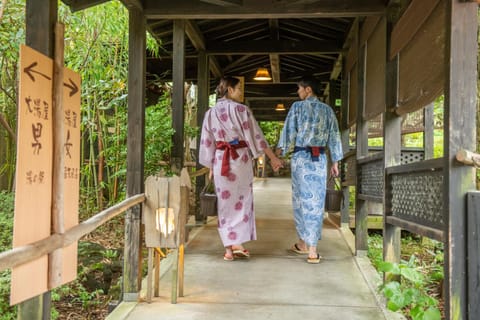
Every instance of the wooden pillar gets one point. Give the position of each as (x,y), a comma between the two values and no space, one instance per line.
(178,95)
(40,18)
(460,133)
(392,148)
(428,132)
(345,136)
(203,100)
(361,210)
(135,153)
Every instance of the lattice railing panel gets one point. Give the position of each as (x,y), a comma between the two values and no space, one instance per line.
(411,156)
(371,178)
(418,197)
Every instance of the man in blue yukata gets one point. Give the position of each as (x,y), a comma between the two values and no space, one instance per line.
(310,128)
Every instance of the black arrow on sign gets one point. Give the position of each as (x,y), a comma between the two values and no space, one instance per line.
(29,71)
(72,86)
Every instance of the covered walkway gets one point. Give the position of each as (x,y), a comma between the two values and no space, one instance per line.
(273,283)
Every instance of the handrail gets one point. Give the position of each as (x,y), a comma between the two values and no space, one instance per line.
(35,250)
(468,157)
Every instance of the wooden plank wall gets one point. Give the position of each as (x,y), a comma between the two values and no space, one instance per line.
(473,240)
(422,57)
(375,68)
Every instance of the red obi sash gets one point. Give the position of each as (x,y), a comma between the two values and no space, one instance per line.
(230,152)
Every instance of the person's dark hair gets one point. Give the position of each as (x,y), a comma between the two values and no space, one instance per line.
(224,84)
(312,82)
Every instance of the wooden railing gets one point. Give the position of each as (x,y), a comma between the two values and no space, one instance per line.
(35,250)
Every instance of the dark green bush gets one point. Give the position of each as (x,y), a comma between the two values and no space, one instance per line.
(6,231)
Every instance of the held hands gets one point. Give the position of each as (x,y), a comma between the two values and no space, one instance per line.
(276,163)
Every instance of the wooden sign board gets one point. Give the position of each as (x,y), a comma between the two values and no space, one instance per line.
(33,177)
(161,227)
(71,106)
(33,187)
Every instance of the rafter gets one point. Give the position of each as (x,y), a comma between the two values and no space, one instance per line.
(273,47)
(198,41)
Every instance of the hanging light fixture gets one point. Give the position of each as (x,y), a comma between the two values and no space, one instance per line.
(280,107)
(262,75)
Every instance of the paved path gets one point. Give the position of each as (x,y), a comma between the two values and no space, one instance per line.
(273,283)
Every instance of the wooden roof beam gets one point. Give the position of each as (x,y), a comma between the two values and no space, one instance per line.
(274,57)
(224,3)
(77,5)
(132,4)
(198,41)
(273,47)
(251,9)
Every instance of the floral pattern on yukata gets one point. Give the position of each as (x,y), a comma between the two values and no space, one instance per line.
(228,121)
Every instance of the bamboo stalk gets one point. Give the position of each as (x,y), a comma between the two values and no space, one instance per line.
(21,255)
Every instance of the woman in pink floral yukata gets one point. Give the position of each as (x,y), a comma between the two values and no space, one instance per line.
(230,139)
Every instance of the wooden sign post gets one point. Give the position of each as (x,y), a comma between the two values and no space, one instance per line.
(34,171)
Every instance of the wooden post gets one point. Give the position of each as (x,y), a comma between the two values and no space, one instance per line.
(58,221)
(459,133)
(345,132)
(40,17)
(156,280)
(151,253)
(182,221)
(428,132)
(392,149)
(361,212)
(135,155)
(178,95)
(203,95)
(174,293)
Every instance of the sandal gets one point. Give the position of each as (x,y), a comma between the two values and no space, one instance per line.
(228,257)
(314,260)
(297,250)
(241,253)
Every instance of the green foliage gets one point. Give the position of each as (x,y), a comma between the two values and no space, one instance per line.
(88,291)
(6,312)
(6,221)
(100,54)
(12,34)
(408,287)
(409,292)
(271,130)
(375,142)
(158,135)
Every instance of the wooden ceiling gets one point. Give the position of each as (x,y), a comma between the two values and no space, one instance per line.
(290,38)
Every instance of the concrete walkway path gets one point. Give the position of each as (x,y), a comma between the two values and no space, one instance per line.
(273,283)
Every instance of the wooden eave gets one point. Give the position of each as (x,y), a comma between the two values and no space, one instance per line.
(289,37)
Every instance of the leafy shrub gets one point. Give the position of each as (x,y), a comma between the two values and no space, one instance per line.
(409,292)
(6,221)
(411,286)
